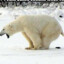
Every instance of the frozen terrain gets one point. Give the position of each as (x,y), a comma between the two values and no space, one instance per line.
(12,50)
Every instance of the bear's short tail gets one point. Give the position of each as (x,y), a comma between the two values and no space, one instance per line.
(62,33)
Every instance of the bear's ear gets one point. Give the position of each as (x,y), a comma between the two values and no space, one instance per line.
(10,26)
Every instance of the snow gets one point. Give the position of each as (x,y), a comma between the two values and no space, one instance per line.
(12,50)
(51,56)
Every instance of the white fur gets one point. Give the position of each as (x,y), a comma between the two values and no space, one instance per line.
(40,30)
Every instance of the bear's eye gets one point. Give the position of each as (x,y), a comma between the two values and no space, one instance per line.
(3,29)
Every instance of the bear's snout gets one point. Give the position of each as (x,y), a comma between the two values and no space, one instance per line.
(3,33)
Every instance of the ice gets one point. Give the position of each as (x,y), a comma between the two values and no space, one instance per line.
(12,50)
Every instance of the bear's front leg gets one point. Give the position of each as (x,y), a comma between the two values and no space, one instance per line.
(34,37)
(30,42)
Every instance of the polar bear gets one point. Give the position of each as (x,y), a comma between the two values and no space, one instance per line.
(39,30)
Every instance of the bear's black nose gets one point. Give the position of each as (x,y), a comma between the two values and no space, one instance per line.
(1,34)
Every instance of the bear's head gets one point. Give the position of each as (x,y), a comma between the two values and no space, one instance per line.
(12,28)
(8,30)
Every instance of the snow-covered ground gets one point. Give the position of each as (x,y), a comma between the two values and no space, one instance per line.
(12,50)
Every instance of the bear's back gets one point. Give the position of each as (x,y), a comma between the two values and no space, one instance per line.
(37,21)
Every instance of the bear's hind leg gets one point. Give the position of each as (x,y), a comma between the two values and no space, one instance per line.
(30,42)
(46,42)
(48,39)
